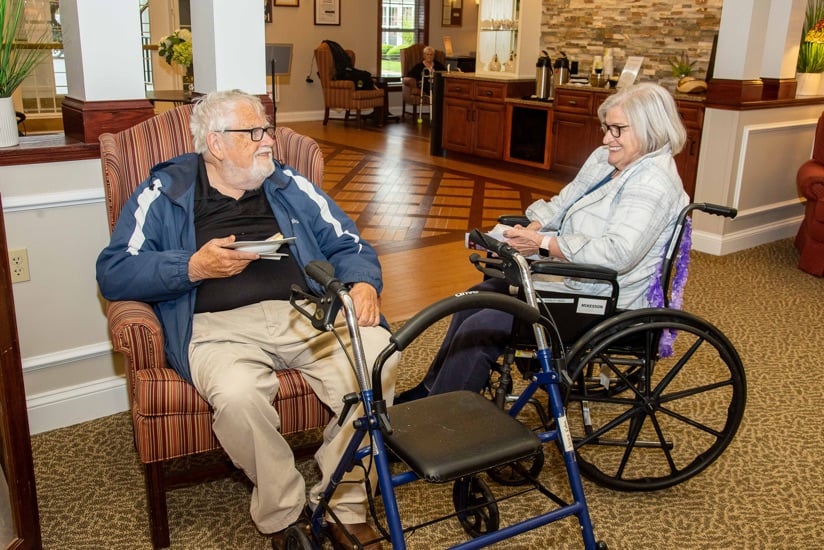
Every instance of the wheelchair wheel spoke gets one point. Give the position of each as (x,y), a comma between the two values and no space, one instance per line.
(648,421)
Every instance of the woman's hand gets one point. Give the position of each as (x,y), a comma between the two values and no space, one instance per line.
(524,240)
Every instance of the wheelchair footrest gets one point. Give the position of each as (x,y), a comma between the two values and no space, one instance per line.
(451,435)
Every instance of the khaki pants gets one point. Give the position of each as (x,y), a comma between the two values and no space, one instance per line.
(234,355)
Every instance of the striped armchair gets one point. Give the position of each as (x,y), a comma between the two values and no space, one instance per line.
(341,94)
(170,418)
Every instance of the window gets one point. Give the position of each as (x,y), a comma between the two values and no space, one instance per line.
(403,22)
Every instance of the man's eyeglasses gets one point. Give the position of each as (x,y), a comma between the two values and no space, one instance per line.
(256,134)
(613,129)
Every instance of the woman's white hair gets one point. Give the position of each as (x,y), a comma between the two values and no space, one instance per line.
(651,111)
(215,112)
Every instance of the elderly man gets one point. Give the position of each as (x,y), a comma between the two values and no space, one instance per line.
(225,312)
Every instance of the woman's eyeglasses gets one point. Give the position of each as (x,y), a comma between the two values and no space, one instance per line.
(613,129)
(256,134)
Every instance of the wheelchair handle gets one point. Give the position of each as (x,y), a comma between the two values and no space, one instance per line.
(492,244)
(459,302)
(716,209)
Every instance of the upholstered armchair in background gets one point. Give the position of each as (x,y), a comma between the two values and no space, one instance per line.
(169,417)
(411,56)
(810,181)
(341,94)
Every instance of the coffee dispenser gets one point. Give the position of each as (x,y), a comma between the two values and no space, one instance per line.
(561,70)
(543,77)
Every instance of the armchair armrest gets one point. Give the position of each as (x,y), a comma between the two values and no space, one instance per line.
(342,85)
(810,180)
(137,334)
(409,82)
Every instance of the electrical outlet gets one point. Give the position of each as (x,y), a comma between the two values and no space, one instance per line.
(19,265)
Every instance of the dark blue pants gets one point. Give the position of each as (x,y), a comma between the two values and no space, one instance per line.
(473,342)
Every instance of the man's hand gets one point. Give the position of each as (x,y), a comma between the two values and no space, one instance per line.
(213,261)
(367,304)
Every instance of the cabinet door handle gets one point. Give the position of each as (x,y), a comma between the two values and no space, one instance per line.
(488,93)
(573,102)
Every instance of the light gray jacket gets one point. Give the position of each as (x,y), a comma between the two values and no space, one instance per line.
(624,225)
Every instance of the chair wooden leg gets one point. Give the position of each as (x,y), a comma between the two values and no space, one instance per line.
(325,116)
(414,113)
(359,118)
(156,496)
(403,110)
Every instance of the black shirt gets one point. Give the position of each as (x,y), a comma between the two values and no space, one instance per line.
(249,218)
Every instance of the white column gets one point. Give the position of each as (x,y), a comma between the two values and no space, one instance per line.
(101,39)
(786,19)
(741,39)
(229,45)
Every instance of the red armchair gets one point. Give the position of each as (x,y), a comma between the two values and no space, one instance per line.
(810,181)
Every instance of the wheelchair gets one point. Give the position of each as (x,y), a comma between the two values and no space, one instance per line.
(645,412)
(442,438)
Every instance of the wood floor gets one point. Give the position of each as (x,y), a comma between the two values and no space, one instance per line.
(415,208)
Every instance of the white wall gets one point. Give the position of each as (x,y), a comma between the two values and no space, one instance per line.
(56,211)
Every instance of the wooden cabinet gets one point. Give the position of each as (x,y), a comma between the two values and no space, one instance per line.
(474,114)
(692,114)
(576,132)
(528,137)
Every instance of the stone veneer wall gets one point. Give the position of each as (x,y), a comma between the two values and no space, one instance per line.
(656,29)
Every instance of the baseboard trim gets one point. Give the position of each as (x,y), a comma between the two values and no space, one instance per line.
(74,404)
(720,245)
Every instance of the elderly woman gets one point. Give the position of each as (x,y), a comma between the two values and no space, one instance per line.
(429,63)
(618,212)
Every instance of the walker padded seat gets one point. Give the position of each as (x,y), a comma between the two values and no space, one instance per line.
(451,435)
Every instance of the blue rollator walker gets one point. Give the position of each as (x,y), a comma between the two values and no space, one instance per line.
(440,438)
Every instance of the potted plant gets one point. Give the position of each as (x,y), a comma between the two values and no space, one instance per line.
(16,63)
(811,52)
(176,49)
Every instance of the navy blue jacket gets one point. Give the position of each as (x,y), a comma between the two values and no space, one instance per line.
(148,257)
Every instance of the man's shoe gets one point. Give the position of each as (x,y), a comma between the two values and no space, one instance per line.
(363,532)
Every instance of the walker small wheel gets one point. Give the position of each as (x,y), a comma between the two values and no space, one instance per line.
(297,539)
(476,506)
(601,545)
(510,476)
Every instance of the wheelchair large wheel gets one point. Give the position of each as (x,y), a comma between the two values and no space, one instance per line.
(475,505)
(643,422)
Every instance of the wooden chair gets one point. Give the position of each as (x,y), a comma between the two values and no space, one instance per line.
(170,418)
(411,88)
(341,94)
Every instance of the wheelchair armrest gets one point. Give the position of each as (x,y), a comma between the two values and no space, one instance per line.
(567,269)
(513,220)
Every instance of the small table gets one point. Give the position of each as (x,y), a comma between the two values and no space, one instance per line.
(388,84)
(178,97)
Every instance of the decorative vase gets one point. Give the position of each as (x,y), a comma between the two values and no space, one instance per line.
(9,136)
(189,81)
(808,83)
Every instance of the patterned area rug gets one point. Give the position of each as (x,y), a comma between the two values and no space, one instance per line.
(400,204)
(765,490)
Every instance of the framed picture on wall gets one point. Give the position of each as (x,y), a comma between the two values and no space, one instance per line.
(290,3)
(327,12)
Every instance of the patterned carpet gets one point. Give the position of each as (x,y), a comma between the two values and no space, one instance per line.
(765,491)
(398,204)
